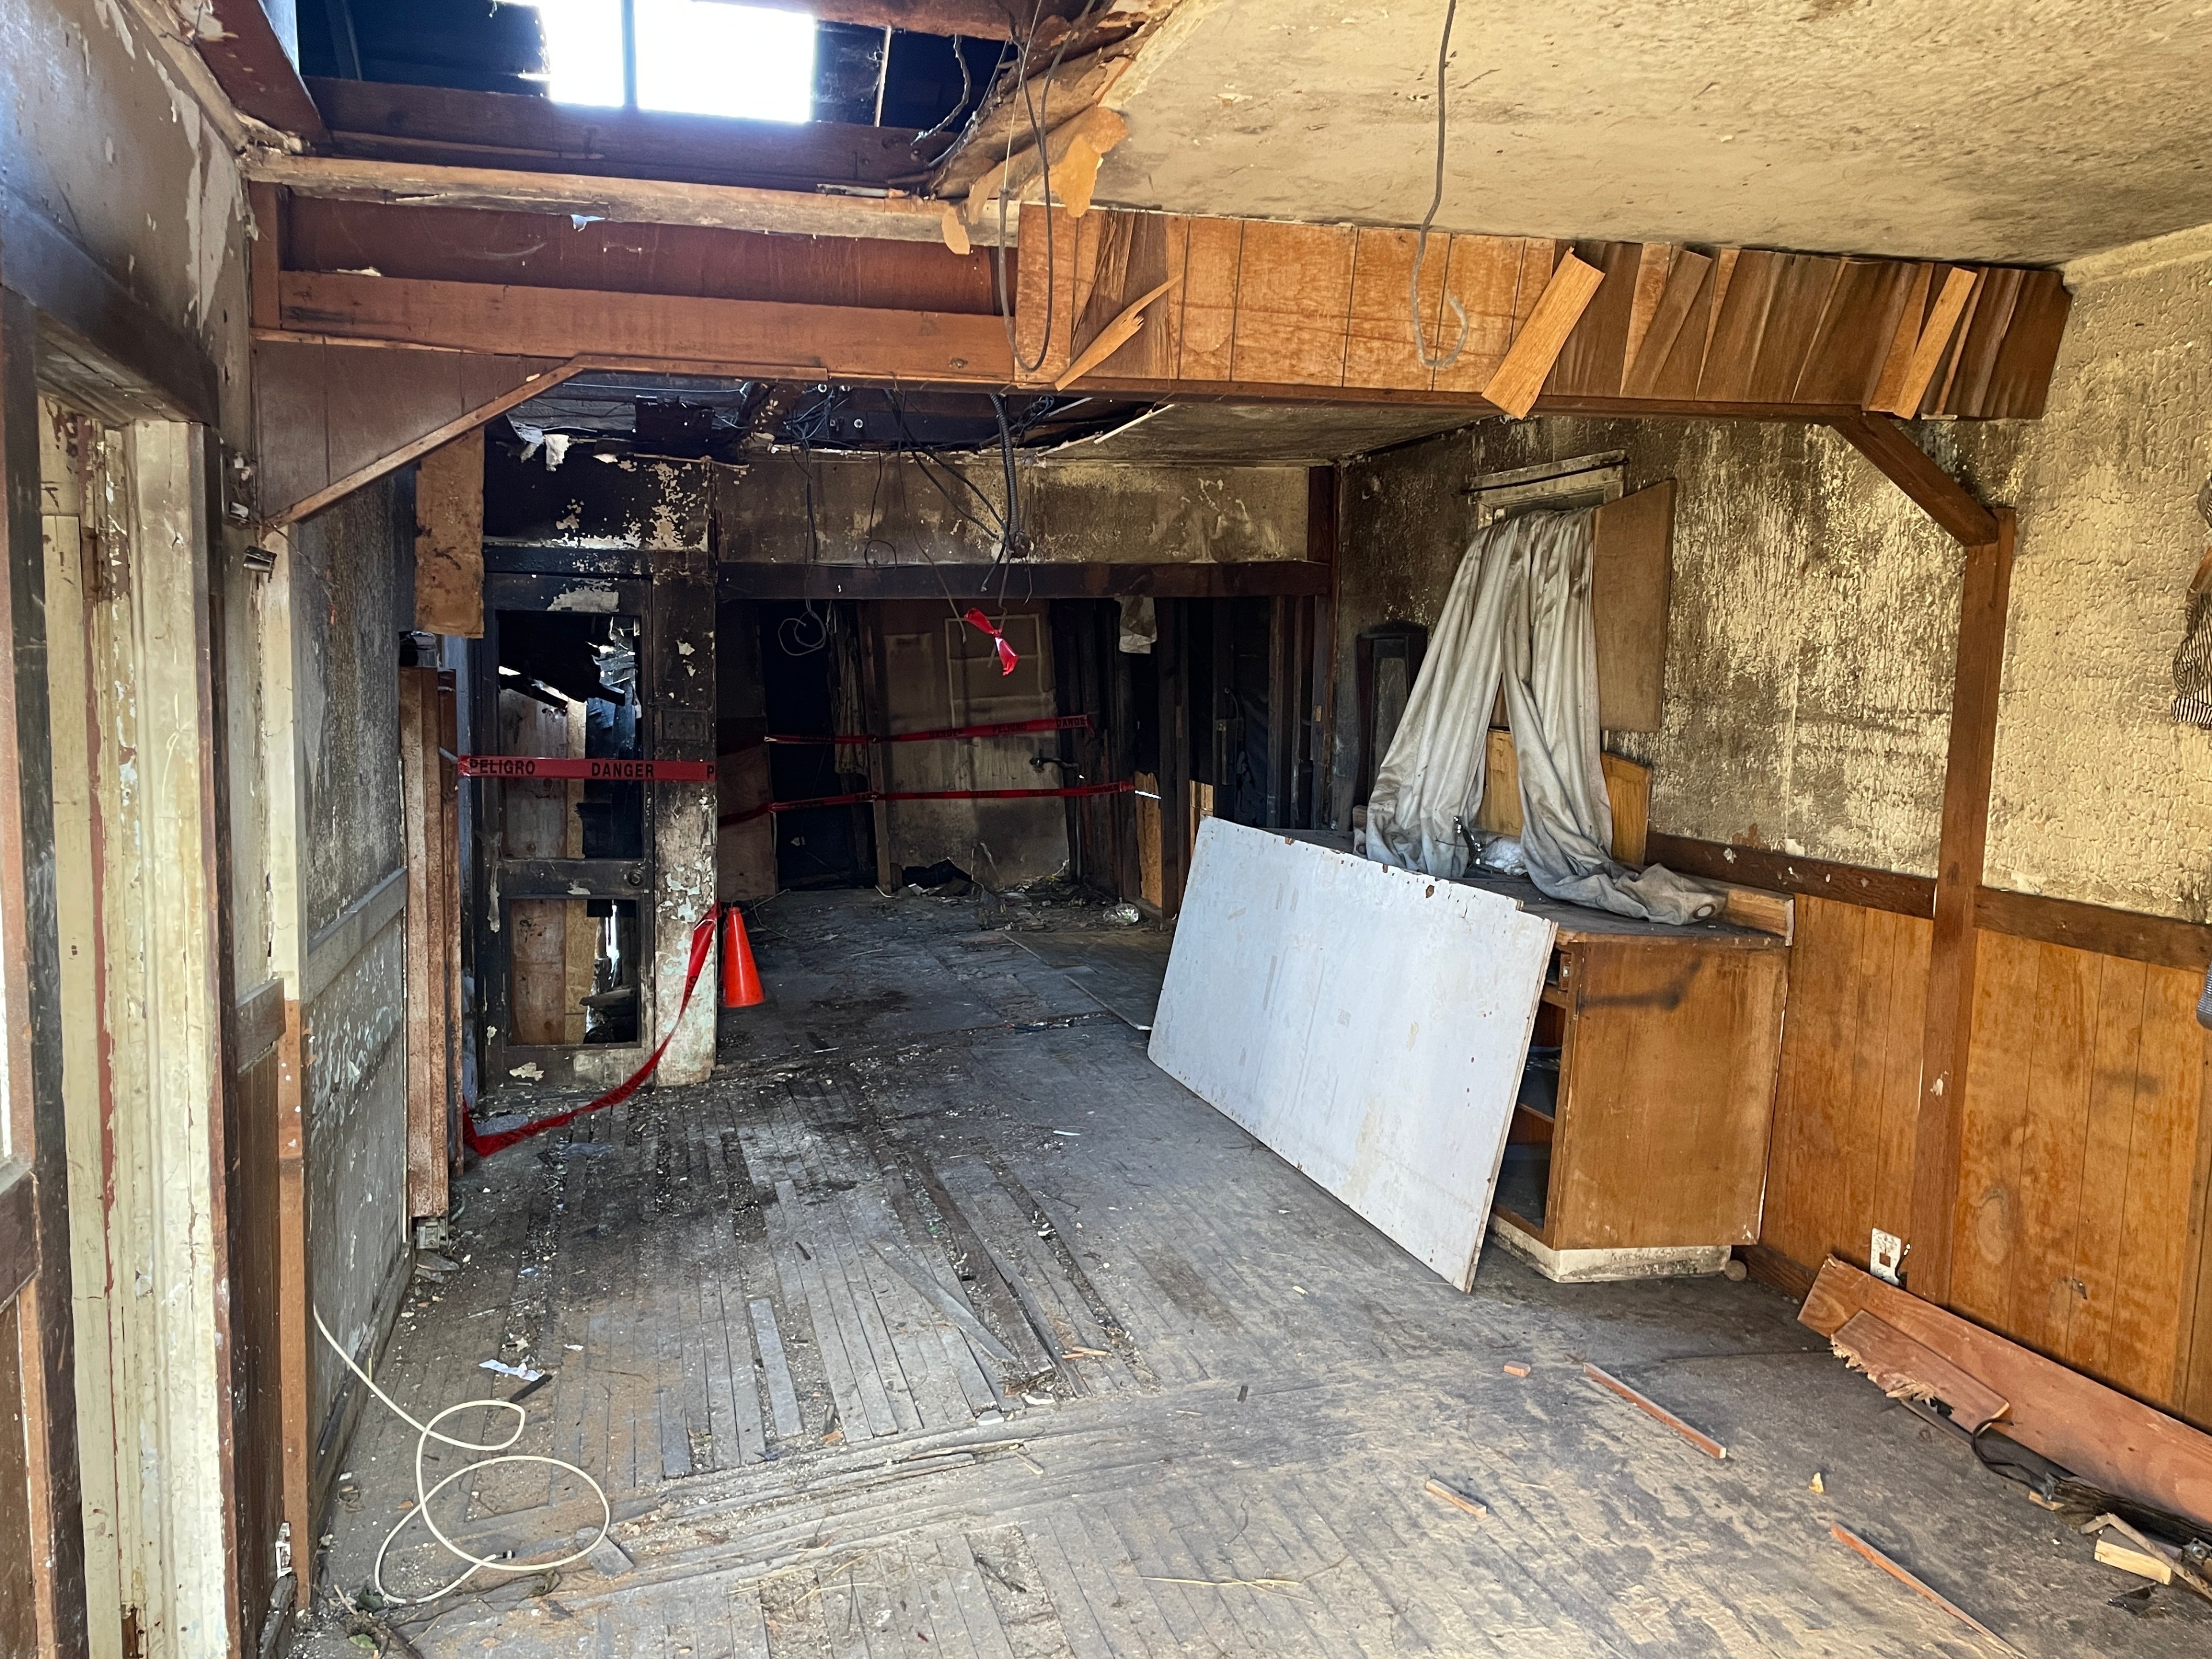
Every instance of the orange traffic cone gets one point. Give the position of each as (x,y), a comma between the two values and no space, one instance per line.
(741,985)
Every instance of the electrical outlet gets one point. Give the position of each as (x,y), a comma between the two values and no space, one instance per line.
(1885,1258)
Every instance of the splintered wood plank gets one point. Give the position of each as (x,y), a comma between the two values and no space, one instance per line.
(1982,340)
(1519,379)
(1496,279)
(1378,348)
(2021,382)
(1677,316)
(1211,262)
(2101,1435)
(1903,340)
(1590,363)
(1800,297)
(1905,1370)
(1739,326)
(1159,251)
(1855,332)
(1293,299)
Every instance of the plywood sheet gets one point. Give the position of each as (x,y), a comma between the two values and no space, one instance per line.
(1368,1025)
(449,539)
(1631,571)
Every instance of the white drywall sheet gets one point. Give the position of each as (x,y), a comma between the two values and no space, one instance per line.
(1367,1024)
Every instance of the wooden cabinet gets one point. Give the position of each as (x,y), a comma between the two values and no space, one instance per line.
(1639,1147)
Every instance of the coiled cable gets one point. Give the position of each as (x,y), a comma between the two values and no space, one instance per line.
(425,1434)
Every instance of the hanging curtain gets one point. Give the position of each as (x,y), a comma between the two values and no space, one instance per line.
(1518,615)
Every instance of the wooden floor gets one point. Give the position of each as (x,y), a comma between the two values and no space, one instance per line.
(941,1322)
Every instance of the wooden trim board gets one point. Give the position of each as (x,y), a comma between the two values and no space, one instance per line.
(2099,1433)
(1948,1034)
(1786,873)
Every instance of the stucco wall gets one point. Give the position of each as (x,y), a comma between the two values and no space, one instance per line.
(1809,639)
(2097,794)
(1811,635)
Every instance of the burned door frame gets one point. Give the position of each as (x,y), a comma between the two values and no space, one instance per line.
(495,880)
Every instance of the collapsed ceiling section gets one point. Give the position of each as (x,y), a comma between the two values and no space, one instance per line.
(695,417)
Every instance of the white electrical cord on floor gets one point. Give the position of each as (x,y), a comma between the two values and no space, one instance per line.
(425,1434)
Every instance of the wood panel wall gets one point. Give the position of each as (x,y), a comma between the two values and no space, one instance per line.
(1845,1102)
(2079,1218)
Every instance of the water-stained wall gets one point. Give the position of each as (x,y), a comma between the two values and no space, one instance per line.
(2097,793)
(348,570)
(1814,613)
(1809,638)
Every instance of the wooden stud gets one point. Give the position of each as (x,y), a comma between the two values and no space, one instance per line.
(1946,1043)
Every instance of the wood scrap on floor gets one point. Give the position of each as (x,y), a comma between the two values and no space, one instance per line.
(1852,1541)
(1458,1500)
(1905,1370)
(1705,1442)
(2094,1432)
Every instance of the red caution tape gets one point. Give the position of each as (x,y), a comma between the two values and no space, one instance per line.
(598,771)
(995,729)
(703,946)
(868,797)
(976,619)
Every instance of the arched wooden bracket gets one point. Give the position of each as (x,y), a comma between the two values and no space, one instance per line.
(1950,503)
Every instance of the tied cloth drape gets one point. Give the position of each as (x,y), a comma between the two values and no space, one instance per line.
(1519,615)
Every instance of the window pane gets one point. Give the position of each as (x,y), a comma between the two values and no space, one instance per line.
(707,57)
(583,50)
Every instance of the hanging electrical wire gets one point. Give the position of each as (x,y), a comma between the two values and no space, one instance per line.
(1038,106)
(967,90)
(1436,201)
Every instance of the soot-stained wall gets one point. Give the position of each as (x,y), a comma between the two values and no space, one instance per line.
(350,567)
(1809,639)
(1814,615)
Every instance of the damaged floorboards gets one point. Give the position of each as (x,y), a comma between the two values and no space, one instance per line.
(941,1322)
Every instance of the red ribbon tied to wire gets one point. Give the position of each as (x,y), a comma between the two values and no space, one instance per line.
(1007,657)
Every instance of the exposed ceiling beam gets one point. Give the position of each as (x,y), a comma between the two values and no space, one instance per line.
(745,338)
(978,20)
(241,45)
(627,201)
(445,126)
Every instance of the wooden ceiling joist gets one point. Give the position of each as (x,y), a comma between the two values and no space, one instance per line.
(443,126)
(742,338)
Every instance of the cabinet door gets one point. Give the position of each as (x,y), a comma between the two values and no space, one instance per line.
(1666,1095)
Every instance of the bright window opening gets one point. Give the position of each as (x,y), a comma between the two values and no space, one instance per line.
(689,57)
